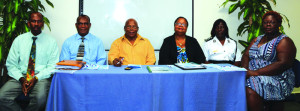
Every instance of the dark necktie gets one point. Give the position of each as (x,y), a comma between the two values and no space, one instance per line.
(80,53)
(31,63)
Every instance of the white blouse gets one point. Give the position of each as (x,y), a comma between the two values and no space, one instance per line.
(214,50)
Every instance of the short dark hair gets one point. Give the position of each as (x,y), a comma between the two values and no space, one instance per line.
(216,23)
(80,16)
(187,23)
(41,15)
(275,14)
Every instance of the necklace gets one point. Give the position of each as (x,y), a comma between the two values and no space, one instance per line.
(180,43)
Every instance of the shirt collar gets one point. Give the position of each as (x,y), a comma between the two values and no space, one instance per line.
(216,38)
(38,36)
(139,37)
(87,36)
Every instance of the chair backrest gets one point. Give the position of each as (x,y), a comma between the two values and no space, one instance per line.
(296,69)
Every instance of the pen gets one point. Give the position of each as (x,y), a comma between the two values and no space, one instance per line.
(121,60)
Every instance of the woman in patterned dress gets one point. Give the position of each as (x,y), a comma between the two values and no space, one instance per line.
(269,60)
(180,48)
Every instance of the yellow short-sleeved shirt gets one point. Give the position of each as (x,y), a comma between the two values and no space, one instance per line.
(141,52)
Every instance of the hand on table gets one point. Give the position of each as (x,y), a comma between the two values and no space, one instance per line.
(118,61)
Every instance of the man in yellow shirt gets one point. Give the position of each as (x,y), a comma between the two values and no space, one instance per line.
(131,48)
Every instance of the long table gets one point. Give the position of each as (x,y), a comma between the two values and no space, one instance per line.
(117,89)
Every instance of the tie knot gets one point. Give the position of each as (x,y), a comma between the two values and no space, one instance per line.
(82,38)
(34,38)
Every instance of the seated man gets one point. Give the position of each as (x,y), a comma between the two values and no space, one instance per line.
(31,59)
(83,46)
(131,48)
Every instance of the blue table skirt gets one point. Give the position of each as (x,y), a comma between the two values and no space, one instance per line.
(117,89)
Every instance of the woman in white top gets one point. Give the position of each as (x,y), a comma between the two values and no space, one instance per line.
(220,48)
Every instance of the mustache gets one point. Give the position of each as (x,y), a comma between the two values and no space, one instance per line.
(36,28)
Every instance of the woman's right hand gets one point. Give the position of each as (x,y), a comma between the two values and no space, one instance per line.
(118,61)
(251,73)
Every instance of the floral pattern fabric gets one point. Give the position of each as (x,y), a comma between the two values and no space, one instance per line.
(181,55)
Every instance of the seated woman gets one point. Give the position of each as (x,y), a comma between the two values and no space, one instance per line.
(269,59)
(220,48)
(180,48)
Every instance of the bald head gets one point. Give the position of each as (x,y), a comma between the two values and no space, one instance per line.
(131,20)
(35,14)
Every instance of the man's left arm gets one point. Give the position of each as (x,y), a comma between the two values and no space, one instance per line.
(52,60)
(101,54)
(150,59)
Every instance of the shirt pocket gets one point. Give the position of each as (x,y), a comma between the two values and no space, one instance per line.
(214,51)
(91,54)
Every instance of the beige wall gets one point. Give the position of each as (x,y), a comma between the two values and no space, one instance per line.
(63,17)
(290,8)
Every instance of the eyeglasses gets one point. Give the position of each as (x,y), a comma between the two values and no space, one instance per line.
(182,24)
(133,27)
(83,23)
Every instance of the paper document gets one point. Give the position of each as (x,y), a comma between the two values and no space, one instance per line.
(67,67)
(95,67)
(134,66)
(157,69)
